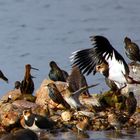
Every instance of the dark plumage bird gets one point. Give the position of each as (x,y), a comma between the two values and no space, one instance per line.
(27,85)
(35,122)
(56,96)
(2,76)
(57,74)
(17,85)
(131,104)
(77,80)
(23,134)
(116,69)
(132,50)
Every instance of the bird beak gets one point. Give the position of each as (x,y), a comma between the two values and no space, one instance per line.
(33,76)
(34,68)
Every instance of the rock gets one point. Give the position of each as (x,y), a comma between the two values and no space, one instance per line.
(10,118)
(13,95)
(9,115)
(41,110)
(23,104)
(27,97)
(42,97)
(66,116)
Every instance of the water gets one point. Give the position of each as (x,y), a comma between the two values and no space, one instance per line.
(38,31)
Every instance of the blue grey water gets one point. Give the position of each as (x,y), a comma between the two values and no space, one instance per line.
(38,31)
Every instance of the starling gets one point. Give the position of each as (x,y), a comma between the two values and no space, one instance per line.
(132,50)
(17,85)
(131,104)
(56,96)
(56,74)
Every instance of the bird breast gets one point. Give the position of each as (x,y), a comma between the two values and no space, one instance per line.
(116,69)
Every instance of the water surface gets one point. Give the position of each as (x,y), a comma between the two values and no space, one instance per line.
(38,31)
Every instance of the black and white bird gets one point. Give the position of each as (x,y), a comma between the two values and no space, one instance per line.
(105,59)
(35,122)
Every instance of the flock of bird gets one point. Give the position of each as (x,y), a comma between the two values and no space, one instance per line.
(102,57)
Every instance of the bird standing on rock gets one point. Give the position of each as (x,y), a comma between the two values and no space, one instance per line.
(77,80)
(17,85)
(132,50)
(90,60)
(131,103)
(82,125)
(27,85)
(2,76)
(56,74)
(56,96)
(35,122)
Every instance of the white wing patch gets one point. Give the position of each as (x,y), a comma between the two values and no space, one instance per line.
(116,69)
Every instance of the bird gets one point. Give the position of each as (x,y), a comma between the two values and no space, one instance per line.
(17,85)
(77,80)
(131,104)
(72,98)
(117,119)
(3,77)
(82,125)
(56,96)
(35,122)
(132,50)
(22,134)
(114,66)
(57,74)
(27,84)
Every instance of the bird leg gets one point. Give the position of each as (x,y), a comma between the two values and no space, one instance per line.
(119,90)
